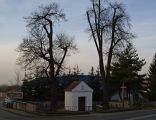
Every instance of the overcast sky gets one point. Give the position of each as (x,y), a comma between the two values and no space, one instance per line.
(12,30)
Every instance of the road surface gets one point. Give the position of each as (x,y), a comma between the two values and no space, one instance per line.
(131,115)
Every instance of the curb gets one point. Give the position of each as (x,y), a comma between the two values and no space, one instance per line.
(63,113)
(28,114)
(119,110)
(124,110)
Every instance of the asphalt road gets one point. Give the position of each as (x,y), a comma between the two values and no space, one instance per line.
(132,115)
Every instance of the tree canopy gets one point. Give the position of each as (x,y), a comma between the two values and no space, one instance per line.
(109,27)
(43,49)
(125,71)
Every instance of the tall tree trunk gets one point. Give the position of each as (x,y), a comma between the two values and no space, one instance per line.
(53,91)
(104,83)
(52,69)
(108,67)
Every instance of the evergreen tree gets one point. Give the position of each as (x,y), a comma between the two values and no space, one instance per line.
(75,73)
(92,72)
(125,72)
(76,70)
(152,78)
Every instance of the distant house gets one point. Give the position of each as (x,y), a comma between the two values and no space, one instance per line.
(3,95)
(146,86)
(78,96)
(5,90)
(11,92)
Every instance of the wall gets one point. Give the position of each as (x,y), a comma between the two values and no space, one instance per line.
(119,105)
(28,107)
(83,90)
(68,100)
(71,97)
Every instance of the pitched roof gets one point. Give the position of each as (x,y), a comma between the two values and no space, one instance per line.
(72,85)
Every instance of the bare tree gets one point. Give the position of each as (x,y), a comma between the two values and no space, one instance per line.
(109,27)
(44,49)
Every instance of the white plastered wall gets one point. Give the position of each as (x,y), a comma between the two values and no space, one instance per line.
(71,97)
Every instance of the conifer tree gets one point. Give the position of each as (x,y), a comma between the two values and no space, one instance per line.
(152,78)
(125,72)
